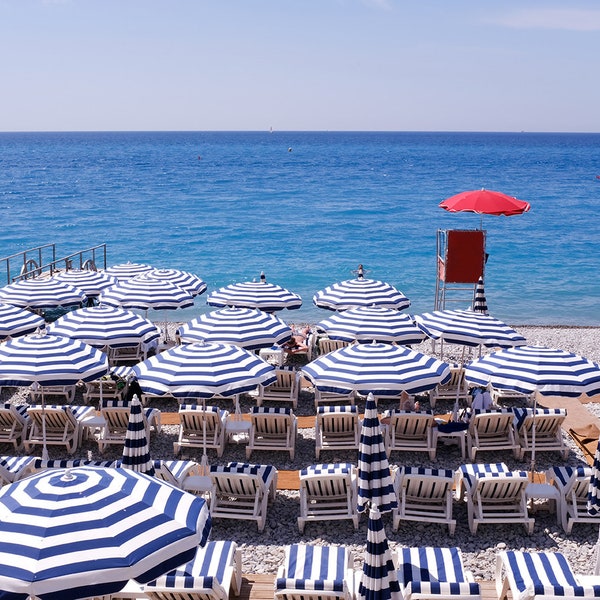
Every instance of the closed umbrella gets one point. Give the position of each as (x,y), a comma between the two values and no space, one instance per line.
(16,321)
(375,491)
(91,282)
(41,294)
(188,281)
(265,296)
(480,301)
(372,323)
(83,532)
(136,449)
(105,326)
(382,369)
(360,292)
(47,360)
(127,270)
(248,328)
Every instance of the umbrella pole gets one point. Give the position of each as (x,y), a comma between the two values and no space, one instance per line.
(44,447)
(532,467)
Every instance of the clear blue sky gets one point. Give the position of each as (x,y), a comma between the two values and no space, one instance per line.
(421,65)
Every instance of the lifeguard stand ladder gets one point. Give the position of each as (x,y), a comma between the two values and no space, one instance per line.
(460,263)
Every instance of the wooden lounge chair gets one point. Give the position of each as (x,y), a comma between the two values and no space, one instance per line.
(455,390)
(210,575)
(548,430)
(13,468)
(104,389)
(315,573)
(14,424)
(494,498)
(116,417)
(201,427)
(337,428)
(492,430)
(428,572)
(540,576)
(424,495)
(67,392)
(285,389)
(412,432)
(328,493)
(61,425)
(242,491)
(327,345)
(272,429)
(573,484)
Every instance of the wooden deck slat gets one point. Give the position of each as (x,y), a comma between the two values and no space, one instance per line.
(260,587)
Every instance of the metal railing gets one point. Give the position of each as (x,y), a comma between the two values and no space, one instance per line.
(42,260)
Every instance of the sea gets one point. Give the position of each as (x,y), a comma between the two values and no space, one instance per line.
(306,208)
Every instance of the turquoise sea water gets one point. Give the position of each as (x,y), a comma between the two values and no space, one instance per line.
(307,208)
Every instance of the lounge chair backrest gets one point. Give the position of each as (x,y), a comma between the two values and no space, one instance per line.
(308,567)
(408,424)
(327,345)
(430,572)
(491,422)
(545,574)
(272,420)
(338,419)
(420,482)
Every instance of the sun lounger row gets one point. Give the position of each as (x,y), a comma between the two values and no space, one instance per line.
(27,427)
(317,572)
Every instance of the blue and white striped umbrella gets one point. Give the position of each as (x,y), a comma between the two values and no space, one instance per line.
(102,326)
(374,478)
(16,321)
(529,369)
(379,580)
(127,270)
(382,369)
(248,328)
(49,360)
(479,299)
(255,294)
(91,282)
(468,328)
(136,449)
(352,293)
(41,293)
(203,370)
(593,503)
(187,281)
(372,323)
(86,531)
(145,293)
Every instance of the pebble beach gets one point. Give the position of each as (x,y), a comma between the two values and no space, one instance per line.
(263,552)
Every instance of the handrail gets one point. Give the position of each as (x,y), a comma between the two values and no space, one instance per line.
(34,262)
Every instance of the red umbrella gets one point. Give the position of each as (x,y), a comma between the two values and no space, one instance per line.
(485,202)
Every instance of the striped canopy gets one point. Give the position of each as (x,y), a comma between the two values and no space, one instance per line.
(248,328)
(468,328)
(378,579)
(136,449)
(102,326)
(187,281)
(16,321)
(255,294)
(372,323)
(382,369)
(145,293)
(360,292)
(127,270)
(91,282)
(528,369)
(87,531)
(203,370)
(374,479)
(49,360)
(41,293)
(479,300)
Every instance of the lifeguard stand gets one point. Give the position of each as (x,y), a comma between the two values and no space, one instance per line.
(460,263)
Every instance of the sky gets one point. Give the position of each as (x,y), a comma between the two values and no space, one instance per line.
(312,65)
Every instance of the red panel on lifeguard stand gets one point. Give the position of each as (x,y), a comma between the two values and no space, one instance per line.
(465,251)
